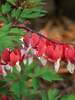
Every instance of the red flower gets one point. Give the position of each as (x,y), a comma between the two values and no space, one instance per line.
(33,39)
(5,55)
(11,57)
(15,56)
(41,47)
(18,52)
(69,52)
(54,52)
(4,97)
(26,40)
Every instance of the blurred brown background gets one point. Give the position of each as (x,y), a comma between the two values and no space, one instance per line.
(59,22)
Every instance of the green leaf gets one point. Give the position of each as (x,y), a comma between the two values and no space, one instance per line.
(3,90)
(50,75)
(30,67)
(31,97)
(3,18)
(16,13)
(17,31)
(68,97)
(47,74)
(19,88)
(16,89)
(11,1)
(2,81)
(44,95)
(5,28)
(4,31)
(52,94)
(26,91)
(6,8)
(10,77)
(6,42)
(10,35)
(32,13)
(35,83)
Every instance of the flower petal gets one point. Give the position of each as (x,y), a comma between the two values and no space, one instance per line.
(25,61)
(43,60)
(3,71)
(30,60)
(8,67)
(57,65)
(18,67)
(70,67)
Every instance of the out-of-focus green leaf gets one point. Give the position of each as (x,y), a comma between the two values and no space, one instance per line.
(68,97)
(52,94)
(16,13)
(44,95)
(6,42)
(35,83)
(5,28)
(17,31)
(3,90)
(46,74)
(6,8)
(10,77)
(32,13)
(11,1)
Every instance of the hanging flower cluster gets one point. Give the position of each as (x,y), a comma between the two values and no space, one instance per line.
(52,51)
(10,59)
(42,48)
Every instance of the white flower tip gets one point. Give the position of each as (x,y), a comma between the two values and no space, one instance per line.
(30,60)
(57,65)
(25,61)
(23,52)
(8,67)
(42,60)
(70,67)
(4,73)
(21,39)
(18,67)
(23,45)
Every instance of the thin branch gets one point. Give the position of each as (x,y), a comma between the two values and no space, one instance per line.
(32,31)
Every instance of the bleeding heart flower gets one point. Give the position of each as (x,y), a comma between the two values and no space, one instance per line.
(26,40)
(69,54)
(19,53)
(5,55)
(41,47)
(14,58)
(34,39)
(54,53)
